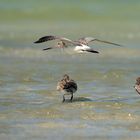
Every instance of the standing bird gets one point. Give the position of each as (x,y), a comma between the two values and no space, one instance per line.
(81,45)
(67,85)
(137,85)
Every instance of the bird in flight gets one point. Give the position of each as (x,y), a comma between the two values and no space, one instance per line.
(81,45)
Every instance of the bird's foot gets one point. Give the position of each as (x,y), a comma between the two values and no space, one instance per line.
(63,99)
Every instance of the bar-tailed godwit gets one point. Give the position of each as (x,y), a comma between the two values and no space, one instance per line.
(67,85)
(81,45)
(137,85)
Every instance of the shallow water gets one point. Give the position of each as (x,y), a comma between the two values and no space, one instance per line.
(105,106)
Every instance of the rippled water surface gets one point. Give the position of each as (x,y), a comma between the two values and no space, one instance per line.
(106,106)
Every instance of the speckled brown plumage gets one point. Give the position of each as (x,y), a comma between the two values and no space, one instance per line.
(67,85)
(137,85)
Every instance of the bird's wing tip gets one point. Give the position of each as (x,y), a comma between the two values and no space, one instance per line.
(36,42)
(47,49)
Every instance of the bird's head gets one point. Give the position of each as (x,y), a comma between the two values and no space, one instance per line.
(138,81)
(66,77)
(60,44)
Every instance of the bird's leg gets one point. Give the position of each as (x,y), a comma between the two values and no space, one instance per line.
(71,97)
(62,49)
(63,98)
(67,94)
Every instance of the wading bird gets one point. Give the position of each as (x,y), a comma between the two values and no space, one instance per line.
(81,45)
(137,85)
(67,85)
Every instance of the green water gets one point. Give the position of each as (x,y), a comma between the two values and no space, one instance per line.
(105,106)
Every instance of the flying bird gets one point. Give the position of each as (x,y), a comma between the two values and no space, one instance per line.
(81,45)
(137,85)
(67,85)
(62,42)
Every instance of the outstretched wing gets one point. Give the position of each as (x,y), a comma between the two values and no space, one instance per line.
(47,48)
(87,40)
(50,37)
(91,50)
(45,38)
(107,42)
